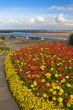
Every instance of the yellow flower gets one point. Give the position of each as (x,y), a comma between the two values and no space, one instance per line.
(68,105)
(43,62)
(66,67)
(34,89)
(35,83)
(56,75)
(69,60)
(52,69)
(63,60)
(47,84)
(67,77)
(42,67)
(22,64)
(51,90)
(43,80)
(53,84)
(32,85)
(60,99)
(71,101)
(58,87)
(71,96)
(58,58)
(68,85)
(48,75)
(61,90)
(54,98)
(70,67)
(54,92)
(60,93)
(44,95)
(29,76)
(60,104)
(63,80)
(54,87)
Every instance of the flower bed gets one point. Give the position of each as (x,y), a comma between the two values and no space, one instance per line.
(4,49)
(41,77)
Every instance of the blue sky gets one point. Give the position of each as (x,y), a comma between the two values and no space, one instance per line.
(36,14)
(33,3)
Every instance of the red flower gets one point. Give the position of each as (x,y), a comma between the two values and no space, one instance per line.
(61,68)
(67,98)
(61,75)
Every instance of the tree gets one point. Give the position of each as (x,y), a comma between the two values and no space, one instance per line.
(71,39)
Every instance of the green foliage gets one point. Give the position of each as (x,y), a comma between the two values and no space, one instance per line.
(2,37)
(71,39)
(4,49)
(12,37)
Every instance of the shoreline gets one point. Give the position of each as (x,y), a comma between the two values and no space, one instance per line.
(66,34)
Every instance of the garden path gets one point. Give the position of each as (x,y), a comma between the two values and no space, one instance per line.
(6,100)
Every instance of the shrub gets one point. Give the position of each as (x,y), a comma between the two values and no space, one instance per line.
(2,37)
(71,39)
(4,49)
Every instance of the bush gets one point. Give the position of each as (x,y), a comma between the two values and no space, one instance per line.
(2,37)
(71,39)
(4,49)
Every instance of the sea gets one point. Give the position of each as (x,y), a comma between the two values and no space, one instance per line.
(38,36)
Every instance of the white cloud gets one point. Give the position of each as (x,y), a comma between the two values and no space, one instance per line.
(61,8)
(14,21)
(37,19)
(41,22)
(23,21)
(62,20)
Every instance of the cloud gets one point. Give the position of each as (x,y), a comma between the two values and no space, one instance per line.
(39,21)
(62,20)
(23,21)
(61,8)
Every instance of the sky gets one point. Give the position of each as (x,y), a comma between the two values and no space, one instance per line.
(36,14)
